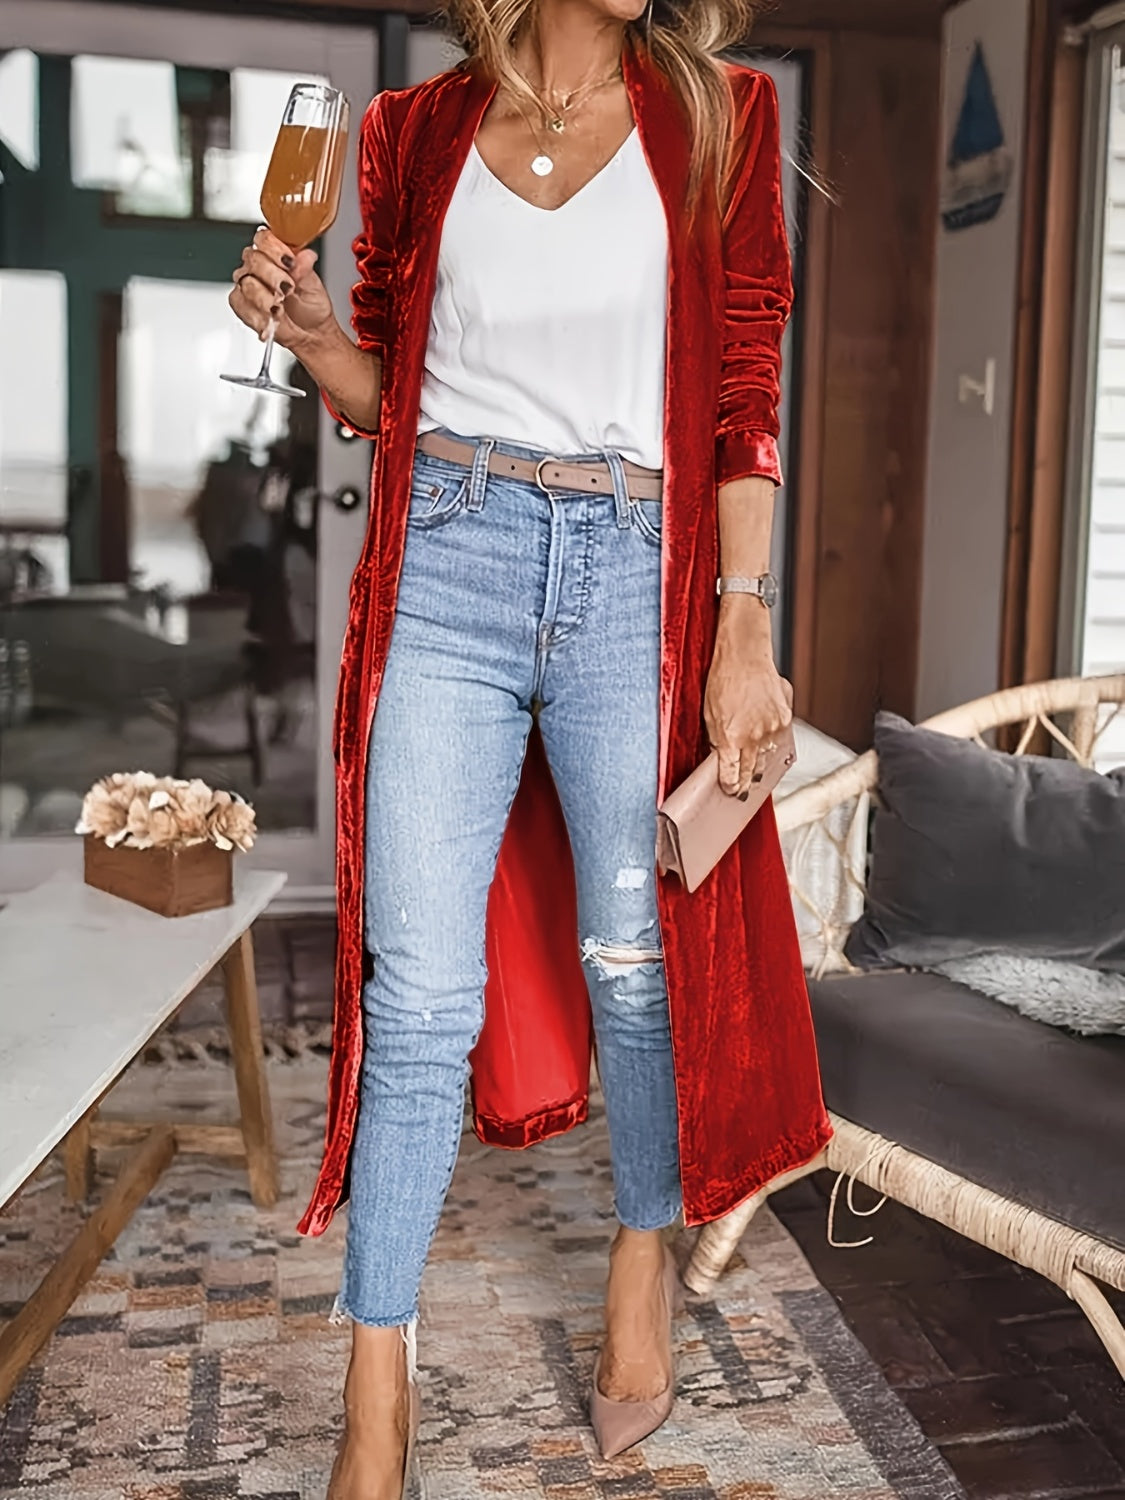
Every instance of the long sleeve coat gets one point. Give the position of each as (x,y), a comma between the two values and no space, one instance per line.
(747,1082)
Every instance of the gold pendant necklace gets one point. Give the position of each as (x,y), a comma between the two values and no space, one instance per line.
(556,120)
(542,164)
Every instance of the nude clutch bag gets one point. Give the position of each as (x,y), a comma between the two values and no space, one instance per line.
(698,822)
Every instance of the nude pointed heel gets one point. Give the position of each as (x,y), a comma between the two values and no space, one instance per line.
(619,1425)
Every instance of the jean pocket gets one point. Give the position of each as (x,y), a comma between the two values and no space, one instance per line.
(438,492)
(647,517)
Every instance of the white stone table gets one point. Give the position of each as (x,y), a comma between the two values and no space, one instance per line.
(86,980)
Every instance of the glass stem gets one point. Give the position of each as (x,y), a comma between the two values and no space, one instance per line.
(267,353)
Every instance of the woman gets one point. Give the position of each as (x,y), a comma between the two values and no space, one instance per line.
(573,286)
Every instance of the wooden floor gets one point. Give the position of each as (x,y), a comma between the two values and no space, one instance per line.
(1001,1370)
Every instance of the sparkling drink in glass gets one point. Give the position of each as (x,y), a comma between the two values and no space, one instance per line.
(301,192)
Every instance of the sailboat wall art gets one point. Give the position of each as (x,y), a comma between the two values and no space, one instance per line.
(979,168)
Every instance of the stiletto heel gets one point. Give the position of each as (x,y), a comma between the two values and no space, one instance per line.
(619,1425)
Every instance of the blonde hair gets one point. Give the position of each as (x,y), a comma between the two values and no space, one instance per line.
(683,38)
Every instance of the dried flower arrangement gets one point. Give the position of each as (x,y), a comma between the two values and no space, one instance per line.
(142,811)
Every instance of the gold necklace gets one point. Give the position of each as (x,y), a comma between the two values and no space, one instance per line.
(555,116)
(542,164)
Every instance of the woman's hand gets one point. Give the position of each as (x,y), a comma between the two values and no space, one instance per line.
(275,282)
(746,704)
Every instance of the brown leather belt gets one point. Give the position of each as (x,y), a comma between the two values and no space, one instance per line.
(593,477)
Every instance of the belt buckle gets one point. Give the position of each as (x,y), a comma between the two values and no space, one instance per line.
(539,473)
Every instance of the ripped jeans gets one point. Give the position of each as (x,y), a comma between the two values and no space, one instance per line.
(513,604)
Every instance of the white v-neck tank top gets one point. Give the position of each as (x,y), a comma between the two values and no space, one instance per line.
(548,325)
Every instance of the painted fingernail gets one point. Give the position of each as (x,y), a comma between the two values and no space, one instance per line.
(288,262)
(743,796)
(286,287)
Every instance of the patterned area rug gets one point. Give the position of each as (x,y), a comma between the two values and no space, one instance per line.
(200,1363)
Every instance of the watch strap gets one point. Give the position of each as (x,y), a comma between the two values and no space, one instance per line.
(764,587)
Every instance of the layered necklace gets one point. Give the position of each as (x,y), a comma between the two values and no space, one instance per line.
(555,111)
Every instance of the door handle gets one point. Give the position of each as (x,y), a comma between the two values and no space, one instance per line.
(347,497)
(983,390)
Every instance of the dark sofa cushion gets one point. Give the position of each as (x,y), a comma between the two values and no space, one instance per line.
(976,851)
(1025,1109)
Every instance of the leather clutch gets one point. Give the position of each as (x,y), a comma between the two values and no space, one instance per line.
(698,822)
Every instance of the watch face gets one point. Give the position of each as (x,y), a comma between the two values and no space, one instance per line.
(769,590)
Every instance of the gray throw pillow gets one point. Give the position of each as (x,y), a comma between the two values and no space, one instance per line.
(1088,1001)
(976,851)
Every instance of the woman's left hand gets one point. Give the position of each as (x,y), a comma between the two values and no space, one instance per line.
(747,704)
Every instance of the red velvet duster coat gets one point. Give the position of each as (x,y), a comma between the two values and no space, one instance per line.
(747,1082)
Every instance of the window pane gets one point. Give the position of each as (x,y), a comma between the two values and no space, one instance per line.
(1103,633)
(33,469)
(233,178)
(203,662)
(125,134)
(33,436)
(223,523)
(177,416)
(19,106)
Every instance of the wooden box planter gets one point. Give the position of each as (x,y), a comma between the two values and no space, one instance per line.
(170,882)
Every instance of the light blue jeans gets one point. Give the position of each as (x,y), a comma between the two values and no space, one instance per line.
(513,604)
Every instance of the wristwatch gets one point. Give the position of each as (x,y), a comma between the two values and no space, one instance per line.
(765,587)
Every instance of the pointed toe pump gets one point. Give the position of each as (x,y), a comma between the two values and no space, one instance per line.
(619,1425)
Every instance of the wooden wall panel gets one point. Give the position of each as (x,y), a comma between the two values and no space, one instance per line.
(885,111)
(900,17)
(1042,46)
(805,479)
(886,17)
(1039,461)
(349,11)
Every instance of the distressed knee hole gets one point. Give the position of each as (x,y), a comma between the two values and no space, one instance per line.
(612,959)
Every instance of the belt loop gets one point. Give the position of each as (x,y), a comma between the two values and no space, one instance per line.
(620,487)
(478,478)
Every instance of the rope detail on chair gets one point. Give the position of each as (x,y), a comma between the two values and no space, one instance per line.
(1021,1234)
(849,1198)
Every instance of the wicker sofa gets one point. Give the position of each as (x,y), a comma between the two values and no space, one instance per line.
(1006,1130)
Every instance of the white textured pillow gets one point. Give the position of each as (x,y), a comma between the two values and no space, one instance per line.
(824,860)
(1046,989)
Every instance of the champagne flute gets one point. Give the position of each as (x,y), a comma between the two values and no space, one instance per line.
(301,193)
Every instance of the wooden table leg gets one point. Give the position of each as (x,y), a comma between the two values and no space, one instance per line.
(33,1325)
(78,1158)
(245,1025)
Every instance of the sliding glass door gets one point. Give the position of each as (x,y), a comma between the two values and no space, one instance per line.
(174,550)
